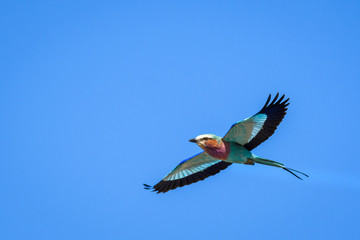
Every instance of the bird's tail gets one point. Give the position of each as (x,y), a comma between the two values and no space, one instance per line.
(280,165)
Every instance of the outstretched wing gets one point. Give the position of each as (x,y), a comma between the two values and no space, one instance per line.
(189,171)
(254,130)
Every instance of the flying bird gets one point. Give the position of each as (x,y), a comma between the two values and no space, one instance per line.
(234,147)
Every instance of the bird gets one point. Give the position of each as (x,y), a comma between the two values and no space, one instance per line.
(235,147)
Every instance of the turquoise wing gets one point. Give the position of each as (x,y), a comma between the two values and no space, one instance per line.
(254,130)
(189,171)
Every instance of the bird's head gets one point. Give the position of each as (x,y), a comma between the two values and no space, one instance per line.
(206,141)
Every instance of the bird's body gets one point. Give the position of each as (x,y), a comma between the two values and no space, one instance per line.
(227,151)
(234,147)
(239,154)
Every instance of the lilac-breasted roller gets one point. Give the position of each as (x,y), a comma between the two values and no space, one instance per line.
(234,147)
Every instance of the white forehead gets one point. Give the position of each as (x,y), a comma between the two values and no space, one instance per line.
(204,136)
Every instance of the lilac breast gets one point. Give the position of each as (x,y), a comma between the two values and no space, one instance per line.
(221,152)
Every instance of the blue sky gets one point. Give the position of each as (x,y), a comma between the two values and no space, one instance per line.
(98,97)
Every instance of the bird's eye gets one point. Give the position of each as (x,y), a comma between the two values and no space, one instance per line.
(206,138)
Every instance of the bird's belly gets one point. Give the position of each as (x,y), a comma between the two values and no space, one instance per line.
(236,158)
(238,154)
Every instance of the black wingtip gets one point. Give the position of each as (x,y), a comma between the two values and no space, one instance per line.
(267,101)
(276,101)
(280,99)
(147,187)
(275,98)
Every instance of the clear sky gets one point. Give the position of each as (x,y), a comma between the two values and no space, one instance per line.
(99,97)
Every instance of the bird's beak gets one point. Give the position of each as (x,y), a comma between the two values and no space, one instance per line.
(193,140)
